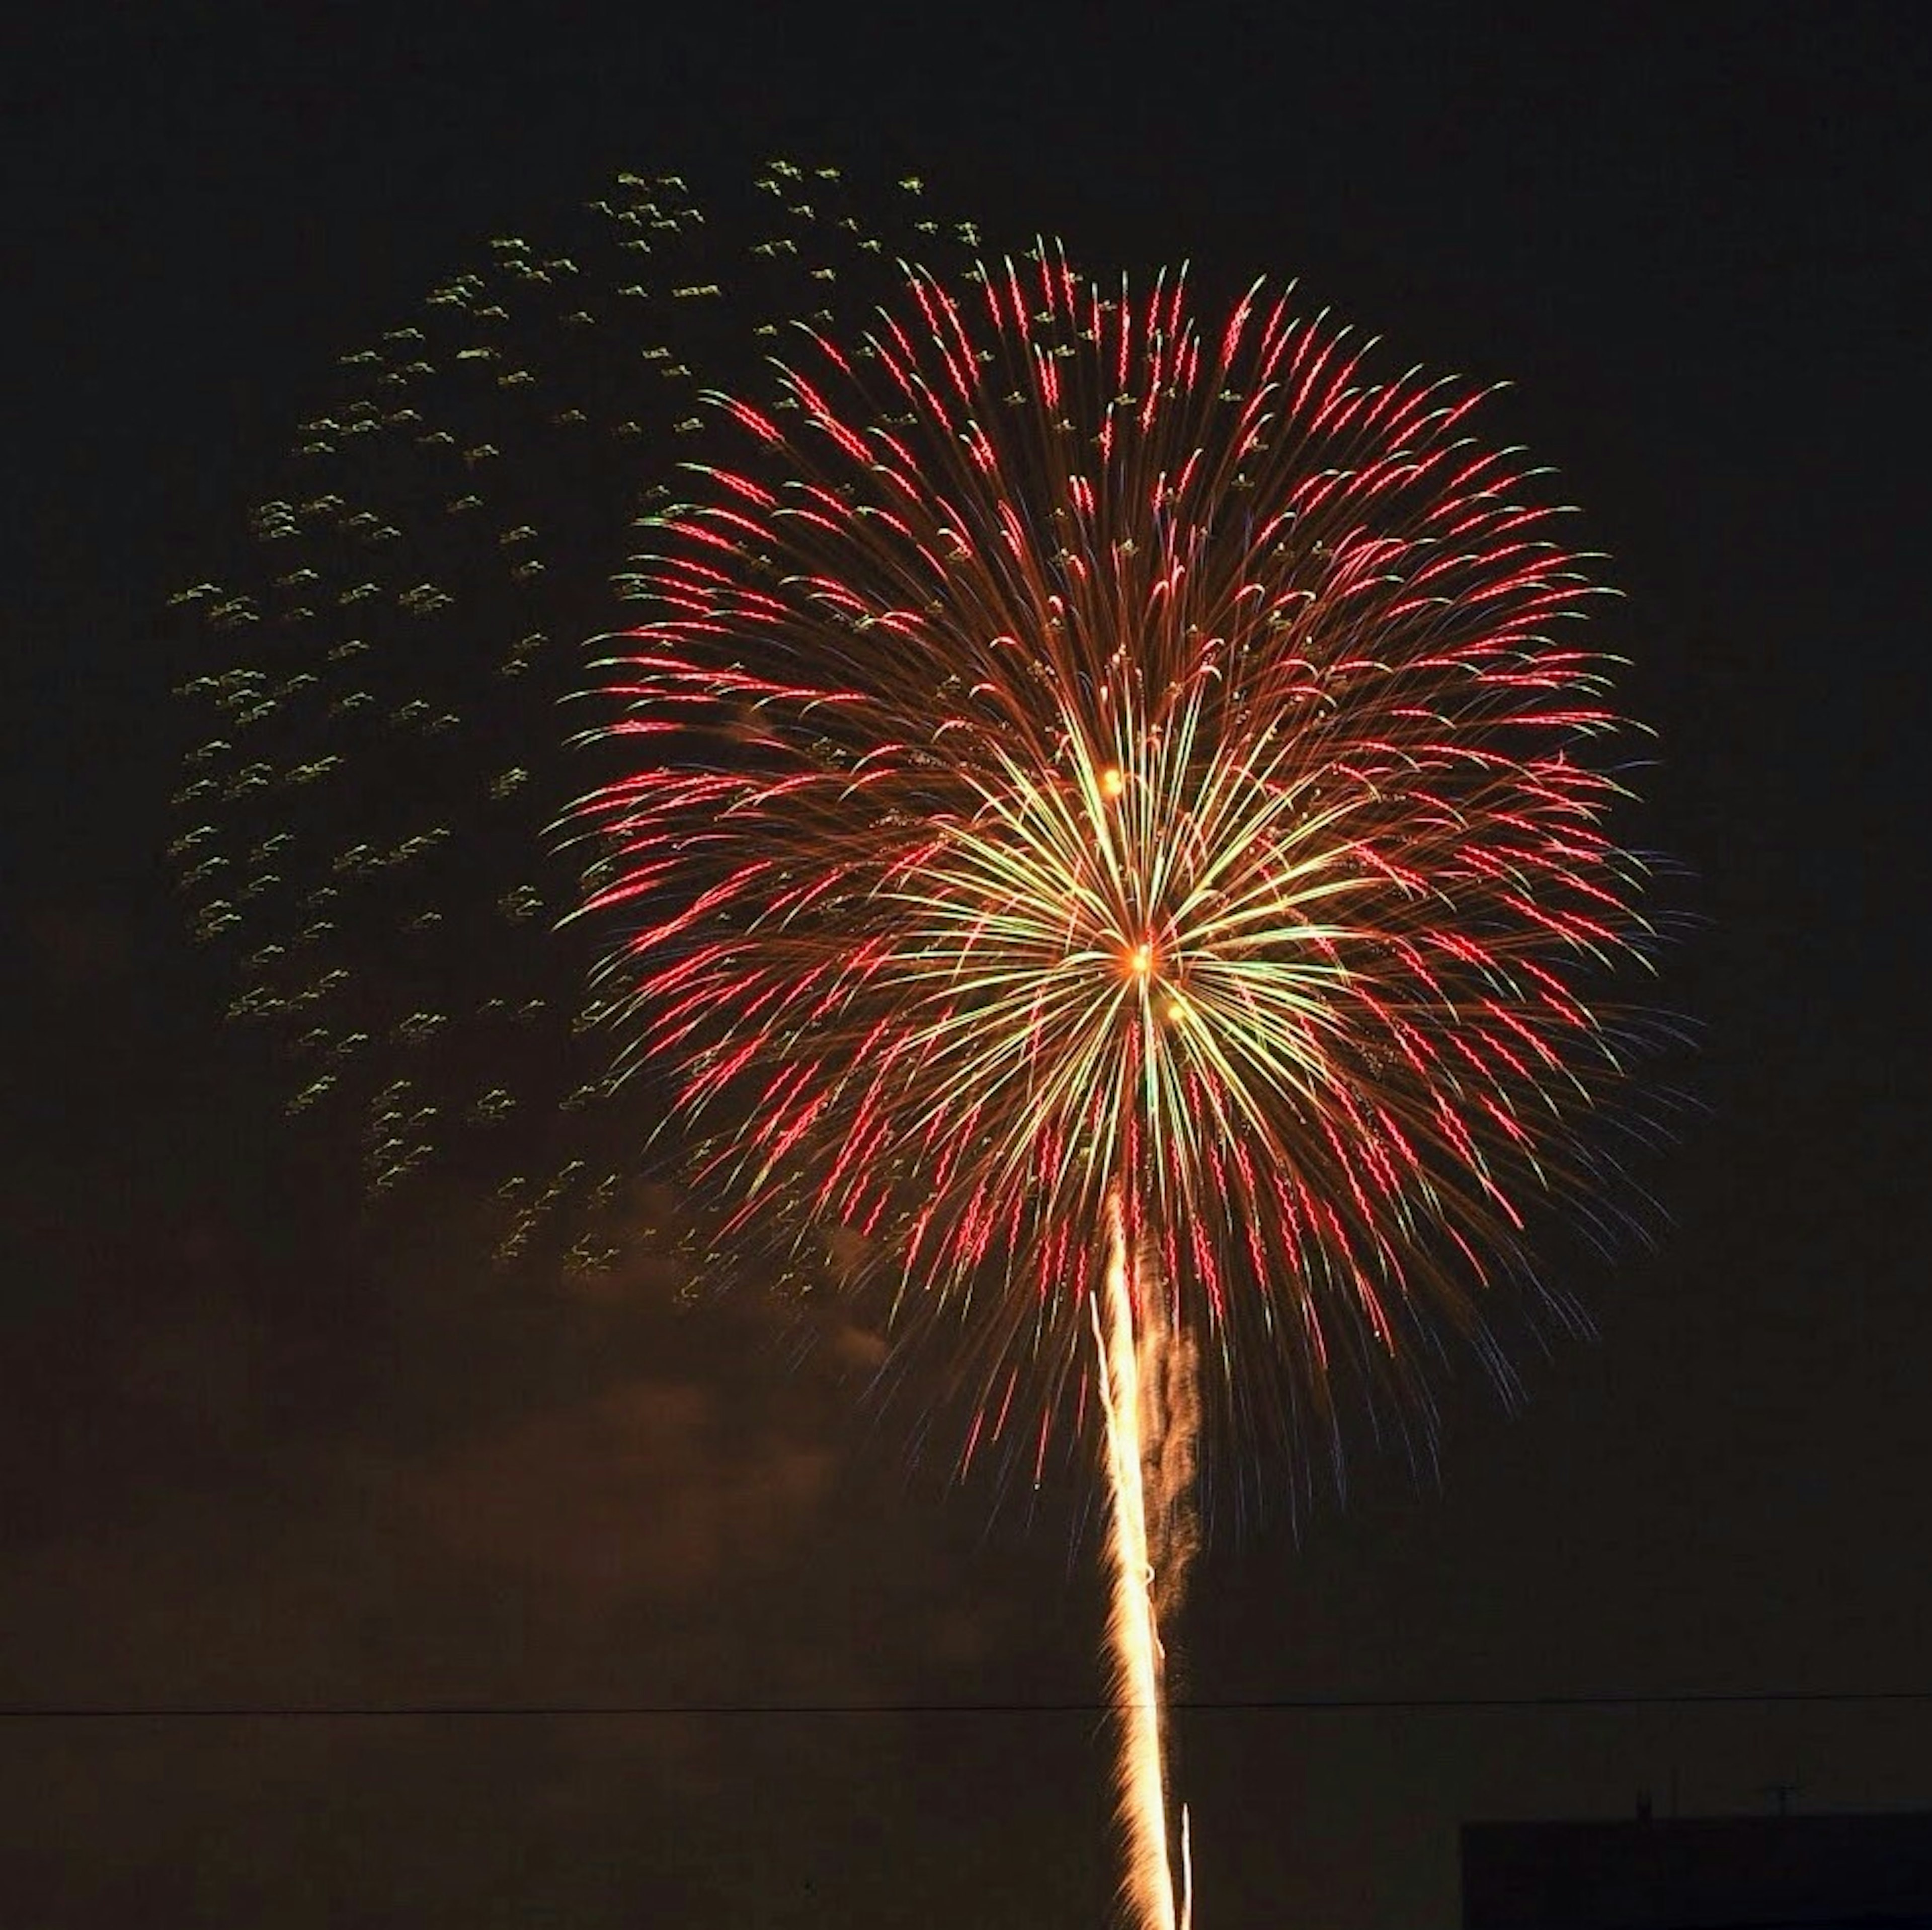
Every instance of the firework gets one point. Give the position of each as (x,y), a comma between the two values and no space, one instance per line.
(1077,753)
(1110,816)
(1150,1497)
(1117,818)
(360,832)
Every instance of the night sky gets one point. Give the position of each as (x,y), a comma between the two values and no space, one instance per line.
(261,1452)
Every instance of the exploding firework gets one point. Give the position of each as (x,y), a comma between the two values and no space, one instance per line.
(1107,820)
(1079,756)
(1118,817)
(360,836)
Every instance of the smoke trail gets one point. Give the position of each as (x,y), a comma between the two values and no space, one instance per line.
(1147,1386)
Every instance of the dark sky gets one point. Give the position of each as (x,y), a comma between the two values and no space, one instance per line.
(258,1454)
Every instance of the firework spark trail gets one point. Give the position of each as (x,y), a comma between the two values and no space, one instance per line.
(1148,1434)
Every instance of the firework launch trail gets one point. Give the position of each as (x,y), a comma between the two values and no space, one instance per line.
(1138,1364)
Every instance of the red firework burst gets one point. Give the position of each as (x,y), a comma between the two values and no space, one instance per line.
(1080,752)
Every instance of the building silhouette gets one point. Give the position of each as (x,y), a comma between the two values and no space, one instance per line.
(1823,1872)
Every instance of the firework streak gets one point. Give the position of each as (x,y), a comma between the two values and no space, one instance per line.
(1149,1548)
(1115,809)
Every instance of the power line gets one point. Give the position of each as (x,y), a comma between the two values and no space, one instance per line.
(1255,1705)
